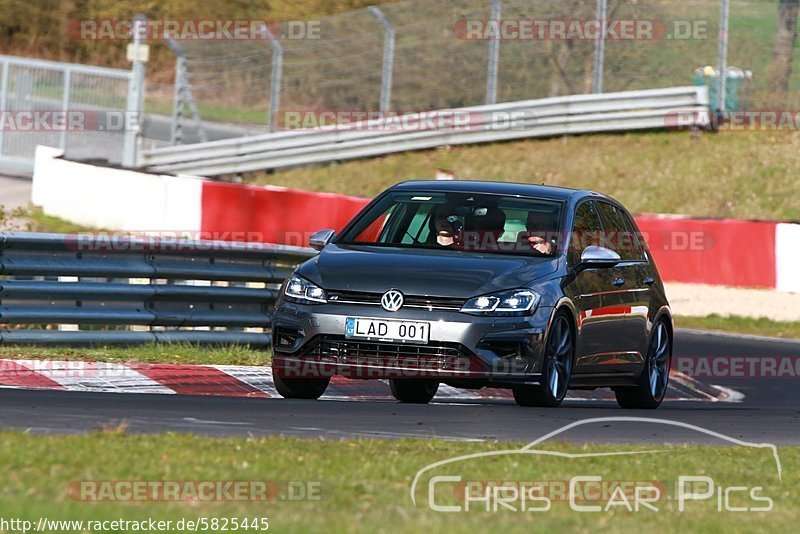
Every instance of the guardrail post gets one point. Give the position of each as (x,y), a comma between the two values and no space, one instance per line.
(494,58)
(600,47)
(724,19)
(275,79)
(135,95)
(387,65)
(65,103)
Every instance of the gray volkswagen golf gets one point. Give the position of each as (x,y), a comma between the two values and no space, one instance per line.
(479,284)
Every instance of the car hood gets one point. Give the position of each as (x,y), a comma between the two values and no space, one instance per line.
(422,272)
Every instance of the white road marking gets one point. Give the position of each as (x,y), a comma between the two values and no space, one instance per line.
(95,376)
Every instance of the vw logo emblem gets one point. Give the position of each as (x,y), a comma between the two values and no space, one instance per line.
(392,300)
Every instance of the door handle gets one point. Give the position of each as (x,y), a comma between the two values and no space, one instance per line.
(619,282)
(649,281)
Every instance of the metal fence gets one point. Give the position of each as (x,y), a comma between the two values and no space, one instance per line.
(101,289)
(420,55)
(630,110)
(28,85)
(407,56)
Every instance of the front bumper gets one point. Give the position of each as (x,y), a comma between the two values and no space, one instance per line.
(309,341)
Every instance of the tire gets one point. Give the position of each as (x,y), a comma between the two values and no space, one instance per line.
(649,392)
(557,368)
(301,388)
(413,390)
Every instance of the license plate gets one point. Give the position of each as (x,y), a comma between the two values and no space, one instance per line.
(387,330)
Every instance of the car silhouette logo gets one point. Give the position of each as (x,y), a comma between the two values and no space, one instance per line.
(392,300)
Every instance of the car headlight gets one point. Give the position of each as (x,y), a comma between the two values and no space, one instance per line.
(514,302)
(304,291)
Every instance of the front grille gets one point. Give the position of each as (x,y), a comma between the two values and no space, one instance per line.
(338,349)
(409,301)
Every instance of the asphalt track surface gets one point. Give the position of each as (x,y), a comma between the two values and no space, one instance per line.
(769,412)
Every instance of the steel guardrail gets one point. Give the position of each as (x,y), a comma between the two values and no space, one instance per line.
(159,289)
(577,114)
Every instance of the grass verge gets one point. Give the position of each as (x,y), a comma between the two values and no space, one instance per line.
(33,219)
(177,353)
(730,174)
(741,325)
(364,485)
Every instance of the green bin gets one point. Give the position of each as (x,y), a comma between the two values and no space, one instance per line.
(709,77)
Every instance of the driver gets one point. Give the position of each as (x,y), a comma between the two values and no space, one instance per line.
(442,229)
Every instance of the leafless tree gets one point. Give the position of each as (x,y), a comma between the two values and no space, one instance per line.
(783,51)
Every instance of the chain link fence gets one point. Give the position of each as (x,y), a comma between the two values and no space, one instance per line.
(36,95)
(401,57)
(441,57)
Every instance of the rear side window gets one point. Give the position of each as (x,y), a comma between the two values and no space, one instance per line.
(620,235)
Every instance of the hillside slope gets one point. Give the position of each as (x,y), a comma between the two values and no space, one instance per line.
(730,174)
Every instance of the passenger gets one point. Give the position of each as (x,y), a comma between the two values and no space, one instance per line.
(541,228)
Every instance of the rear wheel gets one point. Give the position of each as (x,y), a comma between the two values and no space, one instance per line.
(557,370)
(301,388)
(412,390)
(653,381)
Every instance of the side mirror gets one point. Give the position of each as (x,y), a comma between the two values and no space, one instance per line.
(319,239)
(594,257)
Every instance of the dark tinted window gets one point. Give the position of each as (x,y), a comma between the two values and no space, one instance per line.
(638,238)
(586,230)
(620,232)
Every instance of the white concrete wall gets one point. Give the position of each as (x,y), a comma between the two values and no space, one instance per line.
(115,199)
(787,257)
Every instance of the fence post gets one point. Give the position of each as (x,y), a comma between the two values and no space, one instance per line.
(494,58)
(3,98)
(275,79)
(387,65)
(600,47)
(135,95)
(65,103)
(182,96)
(176,131)
(724,19)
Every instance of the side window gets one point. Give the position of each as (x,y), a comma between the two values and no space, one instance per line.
(620,233)
(587,230)
(637,239)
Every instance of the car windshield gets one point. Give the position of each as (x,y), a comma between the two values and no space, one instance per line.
(468,222)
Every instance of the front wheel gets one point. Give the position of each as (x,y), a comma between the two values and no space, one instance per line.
(301,388)
(412,390)
(653,381)
(558,358)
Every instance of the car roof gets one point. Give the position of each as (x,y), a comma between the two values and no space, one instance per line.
(497,188)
